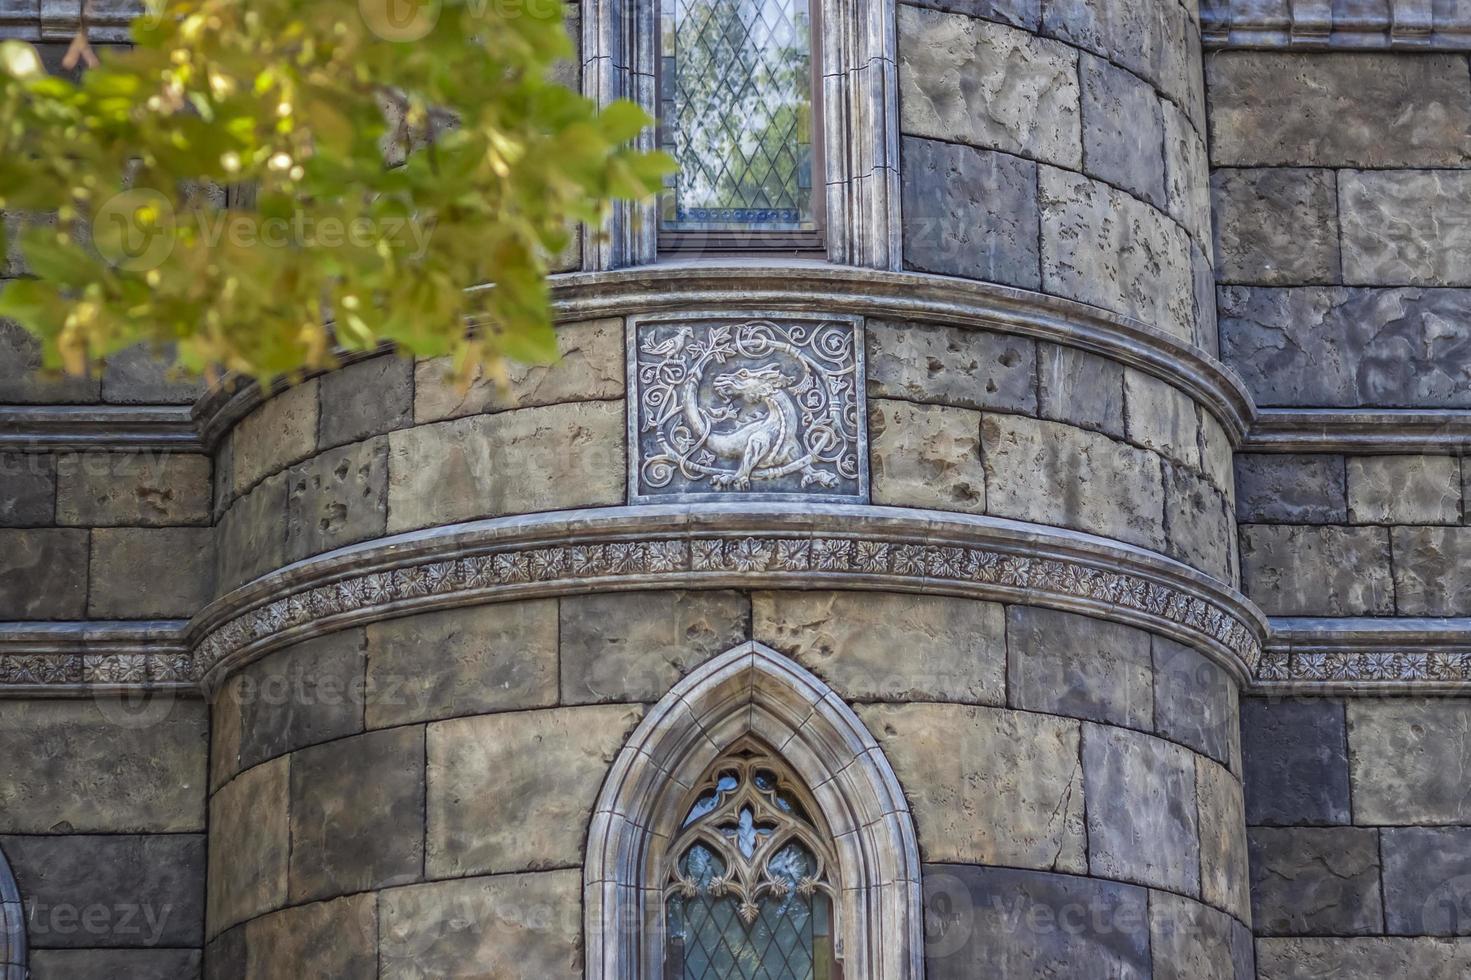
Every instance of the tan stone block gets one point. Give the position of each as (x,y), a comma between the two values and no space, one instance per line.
(99,489)
(249,845)
(926,456)
(225,733)
(336,939)
(1224,879)
(280,432)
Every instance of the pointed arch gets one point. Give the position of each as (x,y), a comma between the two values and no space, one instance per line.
(752,690)
(12,926)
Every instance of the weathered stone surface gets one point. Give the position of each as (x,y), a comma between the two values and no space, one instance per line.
(514,792)
(280,432)
(1066,664)
(973,81)
(1338,959)
(1432,570)
(102,766)
(44,575)
(1296,761)
(890,647)
(1404,489)
(1190,941)
(1162,418)
(1055,474)
(1291,488)
(224,731)
(1199,522)
(149,488)
(365,399)
(1203,301)
(22,381)
(590,368)
(250,538)
(1148,37)
(139,376)
(1142,821)
(110,964)
(462,662)
(511,927)
(1272,108)
(310,692)
(1404,228)
(1216,455)
(160,572)
(926,456)
(112,890)
(337,498)
(337,939)
(1276,226)
(970,212)
(1317,571)
(249,845)
(1315,881)
(1123,130)
(1026,14)
(1195,701)
(1339,348)
(531,459)
(1102,246)
(27,489)
(1007,922)
(987,785)
(1427,880)
(952,366)
(1080,389)
(1187,177)
(634,646)
(1408,761)
(357,814)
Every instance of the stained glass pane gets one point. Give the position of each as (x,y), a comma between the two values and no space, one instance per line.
(736,114)
(783,941)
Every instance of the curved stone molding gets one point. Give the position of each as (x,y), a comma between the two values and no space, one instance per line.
(1366,656)
(1412,24)
(752,688)
(95,658)
(99,426)
(12,926)
(1359,431)
(746,546)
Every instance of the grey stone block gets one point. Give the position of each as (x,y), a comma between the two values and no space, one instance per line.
(1066,664)
(1336,959)
(1223,860)
(310,692)
(1216,454)
(357,814)
(926,456)
(1273,108)
(1203,301)
(249,846)
(1291,489)
(1005,922)
(1427,880)
(337,939)
(973,81)
(1406,228)
(250,538)
(365,399)
(282,431)
(139,376)
(1317,571)
(890,647)
(44,575)
(1199,523)
(634,646)
(1026,14)
(27,489)
(1190,941)
(1149,37)
(1162,417)
(110,964)
(1408,758)
(1315,881)
(1432,570)
(1296,759)
(1276,226)
(113,890)
(952,366)
(1081,389)
(337,498)
(22,382)
(987,785)
(1187,176)
(1142,821)
(970,212)
(1123,130)
(1195,701)
(145,488)
(150,572)
(1340,348)
(1404,489)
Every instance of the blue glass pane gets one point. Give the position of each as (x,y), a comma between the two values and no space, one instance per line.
(710,940)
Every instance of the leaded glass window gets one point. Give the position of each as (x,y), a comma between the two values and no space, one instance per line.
(736,96)
(749,893)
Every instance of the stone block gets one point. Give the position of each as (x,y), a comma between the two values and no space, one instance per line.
(249,845)
(1427,880)
(1190,941)
(357,814)
(1407,759)
(970,212)
(1315,881)
(987,785)
(1123,130)
(1080,389)
(634,646)
(1162,417)
(225,705)
(1203,302)
(103,766)
(1406,228)
(510,927)
(463,661)
(952,366)
(1026,14)
(1338,959)
(1317,571)
(1008,922)
(282,431)
(150,572)
(365,399)
(250,538)
(337,939)
(1341,348)
(1195,701)
(27,489)
(110,964)
(1359,109)
(1104,247)
(515,792)
(224,479)
(532,459)
(1142,817)
(1296,759)
(973,81)
(1149,37)
(589,368)
(1065,664)
(1200,523)
(1432,570)
(23,382)
(926,456)
(1187,177)
(1404,489)
(1055,474)
(308,693)
(1276,226)
(145,488)
(337,498)
(890,647)
(1216,455)
(1291,488)
(44,575)
(140,376)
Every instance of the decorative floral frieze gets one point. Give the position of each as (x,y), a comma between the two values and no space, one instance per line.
(1355,667)
(50,671)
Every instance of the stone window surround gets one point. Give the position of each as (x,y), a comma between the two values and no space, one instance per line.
(12,926)
(746,689)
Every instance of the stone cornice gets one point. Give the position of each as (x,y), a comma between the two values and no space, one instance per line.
(68,659)
(1359,431)
(57,20)
(1398,24)
(79,427)
(1367,656)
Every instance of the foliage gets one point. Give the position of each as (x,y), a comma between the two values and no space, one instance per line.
(292,107)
